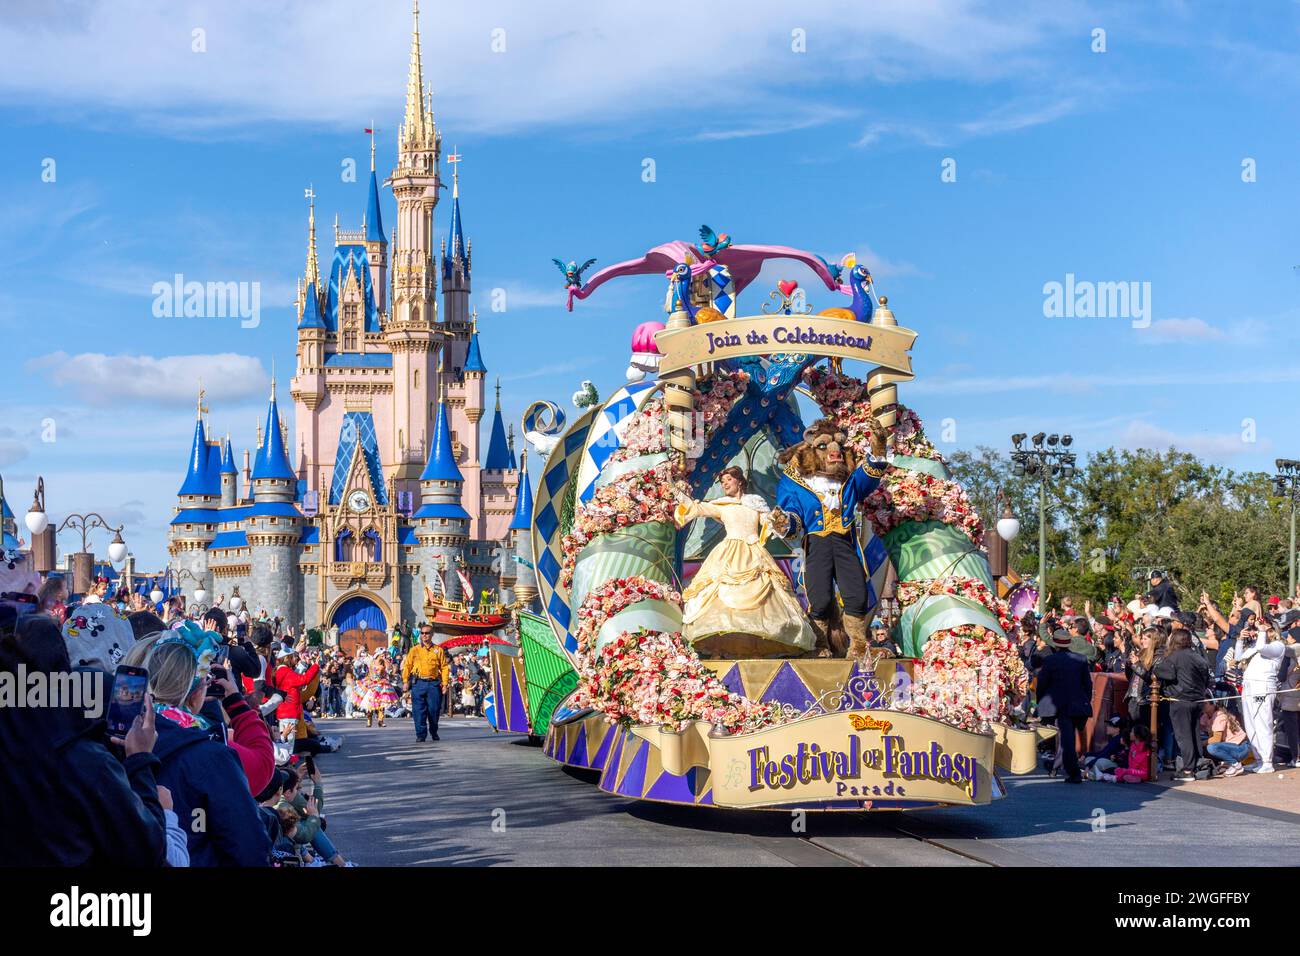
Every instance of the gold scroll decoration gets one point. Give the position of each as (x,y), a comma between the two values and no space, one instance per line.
(881,346)
(679,392)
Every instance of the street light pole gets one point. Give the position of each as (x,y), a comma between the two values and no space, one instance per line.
(1287,485)
(1042,546)
(83,564)
(1050,460)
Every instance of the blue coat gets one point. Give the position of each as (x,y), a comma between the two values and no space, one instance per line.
(794,497)
(205,774)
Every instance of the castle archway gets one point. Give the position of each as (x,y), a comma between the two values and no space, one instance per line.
(362,620)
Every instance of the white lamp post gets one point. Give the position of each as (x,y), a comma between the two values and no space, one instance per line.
(236,602)
(200,595)
(36,519)
(117,548)
(156,595)
(1008,526)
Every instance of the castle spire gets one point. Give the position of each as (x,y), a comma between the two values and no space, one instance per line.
(456,248)
(413,126)
(313,264)
(373,221)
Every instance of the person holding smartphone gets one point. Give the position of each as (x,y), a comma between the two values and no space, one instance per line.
(80,799)
(205,776)
(1259,685)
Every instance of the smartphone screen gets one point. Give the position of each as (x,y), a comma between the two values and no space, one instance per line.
(129,686)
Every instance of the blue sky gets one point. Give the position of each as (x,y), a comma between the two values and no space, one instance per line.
(1117,166)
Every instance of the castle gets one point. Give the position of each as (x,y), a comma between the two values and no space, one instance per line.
(391,489)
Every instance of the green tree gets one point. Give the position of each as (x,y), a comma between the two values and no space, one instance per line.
(1125,510)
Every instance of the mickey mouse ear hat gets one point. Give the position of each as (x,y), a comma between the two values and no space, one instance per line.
(96,637)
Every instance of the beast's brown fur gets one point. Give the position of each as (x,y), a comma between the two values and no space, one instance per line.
(807,460)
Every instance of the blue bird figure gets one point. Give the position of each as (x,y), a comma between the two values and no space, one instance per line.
(860,283)
(834,269)
(712,242)
(682,290)
(573,272)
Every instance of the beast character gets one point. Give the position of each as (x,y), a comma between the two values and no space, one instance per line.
(817,500)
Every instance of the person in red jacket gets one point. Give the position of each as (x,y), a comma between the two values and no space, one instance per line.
(289,683)
(249,736)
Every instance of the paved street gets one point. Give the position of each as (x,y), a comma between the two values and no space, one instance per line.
(393,802)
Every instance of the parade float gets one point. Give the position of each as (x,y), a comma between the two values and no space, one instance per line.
(687,665)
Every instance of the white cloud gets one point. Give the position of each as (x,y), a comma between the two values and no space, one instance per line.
(590,65)
(1069,383)
(1179,330)
(11,451)
(1212,445)
(557,368)
(882,268)
(170,380)
(525,295)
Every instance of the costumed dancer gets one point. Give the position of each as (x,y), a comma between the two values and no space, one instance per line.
(377,692)
(817,501)
(740,603)
(1259,685)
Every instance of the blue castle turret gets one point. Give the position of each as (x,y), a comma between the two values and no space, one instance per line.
(521,535)
(442,523)
(273,524)
(273,477)
(194,526)
(229,477)
(499,456)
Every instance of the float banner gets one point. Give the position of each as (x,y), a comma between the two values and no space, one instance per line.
(869,755)
(883,346)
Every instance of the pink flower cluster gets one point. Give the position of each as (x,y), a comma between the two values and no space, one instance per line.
(632,499)
(651,677)
(968,677)
(843,399)
(909,592)
(716,394)
(908,437)
(615,595)
(645,434)
(904,496)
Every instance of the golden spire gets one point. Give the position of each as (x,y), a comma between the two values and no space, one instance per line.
(413,126)
(313,265)
(372,146)
(498,393)
(454,161)
(202,408)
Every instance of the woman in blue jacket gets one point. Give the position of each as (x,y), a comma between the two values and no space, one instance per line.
(209,790)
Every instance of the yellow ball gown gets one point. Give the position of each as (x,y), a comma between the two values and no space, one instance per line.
(740,604)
